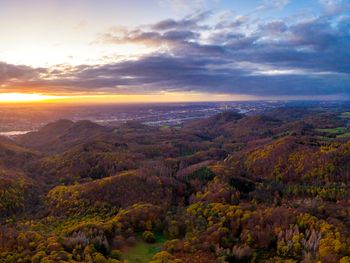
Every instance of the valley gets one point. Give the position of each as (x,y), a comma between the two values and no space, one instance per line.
(233,187)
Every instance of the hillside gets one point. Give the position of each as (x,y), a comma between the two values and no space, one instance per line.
(13,154)
(61,135)
(272,187)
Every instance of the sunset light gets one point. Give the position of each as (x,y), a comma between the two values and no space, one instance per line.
(166,51)
(24,97)
(193,131)
(115,98)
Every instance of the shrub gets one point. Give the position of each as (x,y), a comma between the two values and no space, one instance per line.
(148,236)
(116,254)
(99,258)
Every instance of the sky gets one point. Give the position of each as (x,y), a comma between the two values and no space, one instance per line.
(174,50)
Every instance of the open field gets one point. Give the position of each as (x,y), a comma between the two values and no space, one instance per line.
(143,252)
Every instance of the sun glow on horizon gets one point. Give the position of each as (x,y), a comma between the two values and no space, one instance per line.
(16,97)
(165,97)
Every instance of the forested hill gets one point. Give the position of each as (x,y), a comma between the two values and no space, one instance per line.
(231,188)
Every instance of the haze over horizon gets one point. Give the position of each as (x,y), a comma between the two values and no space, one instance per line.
(165,51)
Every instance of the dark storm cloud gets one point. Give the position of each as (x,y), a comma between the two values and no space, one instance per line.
(238,56)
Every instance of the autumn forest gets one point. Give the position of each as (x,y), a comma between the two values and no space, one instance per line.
(269,187)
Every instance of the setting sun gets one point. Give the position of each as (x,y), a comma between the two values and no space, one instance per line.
(25,97)
(18,97)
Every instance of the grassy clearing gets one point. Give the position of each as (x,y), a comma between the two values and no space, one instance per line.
(324,138)
(345,135)
(143,252)
(338,130)
(345,114)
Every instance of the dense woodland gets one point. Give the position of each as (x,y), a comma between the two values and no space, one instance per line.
(270,187)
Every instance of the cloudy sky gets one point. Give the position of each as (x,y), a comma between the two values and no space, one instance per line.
(172,50)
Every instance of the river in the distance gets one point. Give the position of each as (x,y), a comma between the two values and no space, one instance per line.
(13,133)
